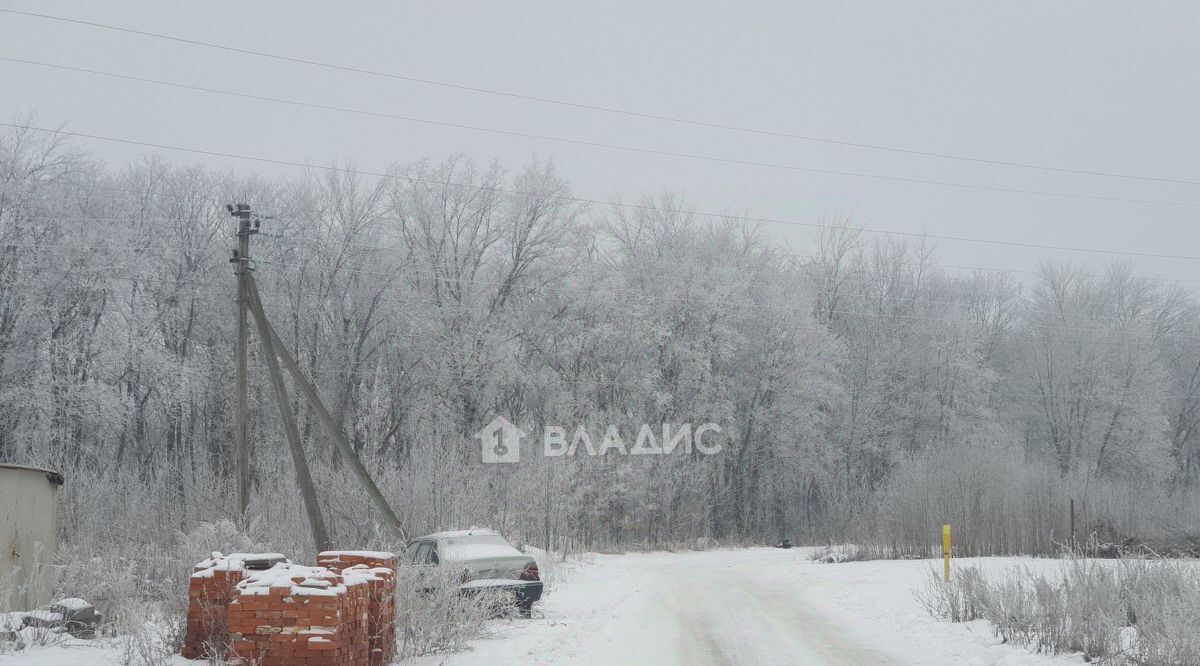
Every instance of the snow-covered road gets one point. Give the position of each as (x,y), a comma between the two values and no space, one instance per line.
(753,606)
(724,617)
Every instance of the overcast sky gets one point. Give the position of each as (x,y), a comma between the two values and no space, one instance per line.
(1080,84)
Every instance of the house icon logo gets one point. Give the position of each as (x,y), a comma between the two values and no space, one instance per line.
(501,441)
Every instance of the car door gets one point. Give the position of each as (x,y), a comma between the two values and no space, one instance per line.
(410,553)
(421,557)
(418,565)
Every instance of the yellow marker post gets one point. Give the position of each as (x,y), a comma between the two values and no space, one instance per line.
(946,549)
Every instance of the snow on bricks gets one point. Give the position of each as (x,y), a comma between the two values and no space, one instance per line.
(381,596)
(210,589)
(295,614)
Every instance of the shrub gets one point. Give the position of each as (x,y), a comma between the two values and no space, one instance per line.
(432,616)
(959,600)
(1142,611)
(837,554)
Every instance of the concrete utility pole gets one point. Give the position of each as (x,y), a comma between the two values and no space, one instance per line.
(335,431)
(250,304)
(308,491)
(241,263)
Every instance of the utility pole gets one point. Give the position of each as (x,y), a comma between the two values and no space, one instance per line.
(241,263)
(308,491)
(340,441)
(1073,544)
(250,304)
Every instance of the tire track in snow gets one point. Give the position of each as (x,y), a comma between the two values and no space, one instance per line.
(727,619)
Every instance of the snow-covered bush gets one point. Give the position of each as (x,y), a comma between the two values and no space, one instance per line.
(1162,600)
(433,616)
(141,589)
(1001,503)
(837,554)
(558,569)
(153,643)
(959,600)
(117,585)
(1143,611)
(220,536)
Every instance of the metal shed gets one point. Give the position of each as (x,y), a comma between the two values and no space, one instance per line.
(28,506)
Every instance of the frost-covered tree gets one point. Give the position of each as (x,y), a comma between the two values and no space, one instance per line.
(863,392)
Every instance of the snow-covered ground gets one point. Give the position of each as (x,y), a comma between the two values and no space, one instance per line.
(100,652)
(754,606)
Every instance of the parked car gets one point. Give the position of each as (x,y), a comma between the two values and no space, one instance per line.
(484,560)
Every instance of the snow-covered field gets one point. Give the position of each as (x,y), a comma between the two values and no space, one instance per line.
(754,606)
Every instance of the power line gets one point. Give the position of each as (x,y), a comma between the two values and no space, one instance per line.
(606,109)
(151,218)
(787,28)
(75,188)
(115,248)
(386,248)
(582,200)
(608,146)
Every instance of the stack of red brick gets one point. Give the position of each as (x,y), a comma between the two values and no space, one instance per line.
(380,569)
(293,614)
(210,589)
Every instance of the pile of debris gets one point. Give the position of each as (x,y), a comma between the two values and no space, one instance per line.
(266,610)
(73,617)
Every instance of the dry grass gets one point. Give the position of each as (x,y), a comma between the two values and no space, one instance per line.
(432,616)
(1142,612)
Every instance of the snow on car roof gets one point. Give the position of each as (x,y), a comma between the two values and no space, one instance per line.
(480,551)
(377,554)
(456,534)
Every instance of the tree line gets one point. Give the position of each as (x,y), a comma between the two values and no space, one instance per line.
(864,392)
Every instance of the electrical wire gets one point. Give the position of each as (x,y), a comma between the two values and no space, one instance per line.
(618,147)
(604,109)
(583,200)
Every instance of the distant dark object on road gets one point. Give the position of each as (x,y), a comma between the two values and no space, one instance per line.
(786,543)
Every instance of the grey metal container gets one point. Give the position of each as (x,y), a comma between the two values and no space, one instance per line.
(28,506)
